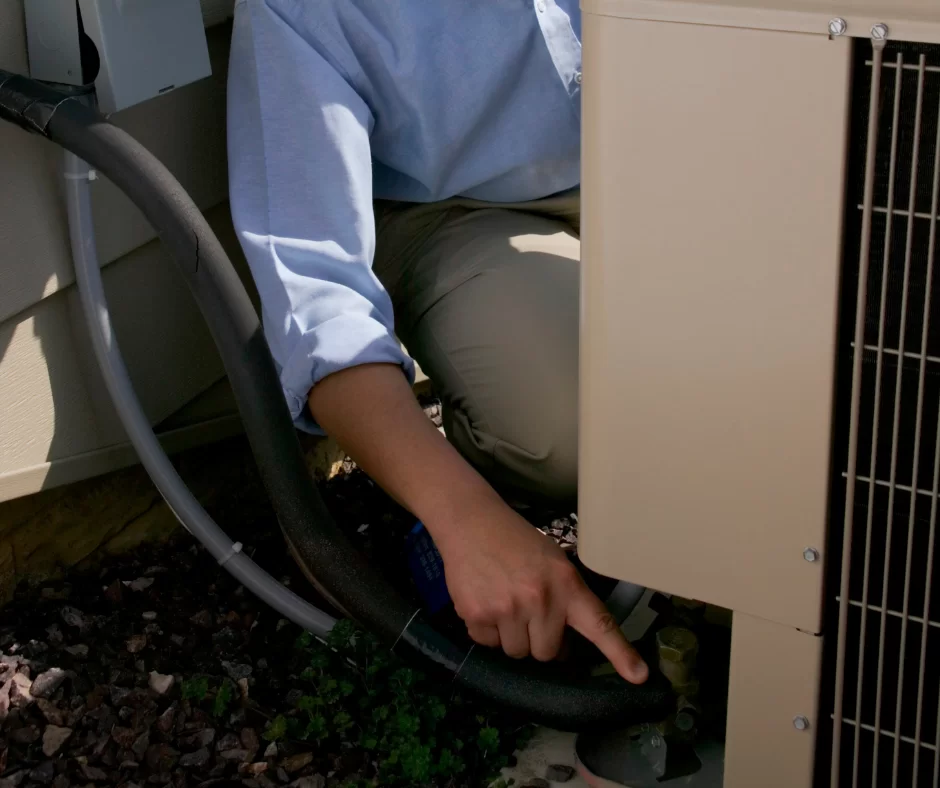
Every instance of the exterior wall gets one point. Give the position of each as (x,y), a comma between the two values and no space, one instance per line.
(57,425)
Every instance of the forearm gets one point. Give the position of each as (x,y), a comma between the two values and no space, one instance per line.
(372,413)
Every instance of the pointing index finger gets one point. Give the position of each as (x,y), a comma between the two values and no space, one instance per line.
(588,616)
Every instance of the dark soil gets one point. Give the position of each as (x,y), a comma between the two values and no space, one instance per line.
(94,669)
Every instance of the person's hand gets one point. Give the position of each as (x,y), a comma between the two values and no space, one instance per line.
(515,588)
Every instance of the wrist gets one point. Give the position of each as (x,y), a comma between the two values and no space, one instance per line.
(459,507)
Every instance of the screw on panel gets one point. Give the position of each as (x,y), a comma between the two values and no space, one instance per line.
(800,723)
(811,554)
(837,26)
(879,32)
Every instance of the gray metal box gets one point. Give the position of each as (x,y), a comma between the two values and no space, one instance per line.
(146,47)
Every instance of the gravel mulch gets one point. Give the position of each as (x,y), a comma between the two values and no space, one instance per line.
(97,671)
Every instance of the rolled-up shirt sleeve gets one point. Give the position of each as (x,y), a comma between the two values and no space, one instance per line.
(300,180)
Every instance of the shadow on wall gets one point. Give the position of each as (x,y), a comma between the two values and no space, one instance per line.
(53,395)
(56,421)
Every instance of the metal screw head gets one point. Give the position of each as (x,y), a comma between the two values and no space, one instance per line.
(800,722)
(837,26)
(811,554)
(655,741)
(879,32)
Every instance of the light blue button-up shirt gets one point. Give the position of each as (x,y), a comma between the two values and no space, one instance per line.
(332,103)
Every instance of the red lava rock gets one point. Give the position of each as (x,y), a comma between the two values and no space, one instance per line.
(161,757)
(232,618)
(114,592)
(96,697)
(125,737)
(249,739)
(202,619)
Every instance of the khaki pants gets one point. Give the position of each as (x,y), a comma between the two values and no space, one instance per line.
(486,301)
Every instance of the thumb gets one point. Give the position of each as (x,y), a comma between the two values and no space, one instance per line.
(588,616)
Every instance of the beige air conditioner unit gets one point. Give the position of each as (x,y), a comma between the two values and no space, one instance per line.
(761,359)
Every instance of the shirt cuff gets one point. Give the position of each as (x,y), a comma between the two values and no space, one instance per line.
(336,344)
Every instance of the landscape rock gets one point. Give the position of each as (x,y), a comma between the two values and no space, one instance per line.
(45,684)
(295,763)
(114,592)
(165,721)
(140,584)
(93,773)
(249,739)
(196,759)
(235,671)
(43,773)
(125,737)
(51,712)
(19,691)
(197,740)
(28,735)
(237,754)
(314,781)
(160,683)
(73,617)
(161,757)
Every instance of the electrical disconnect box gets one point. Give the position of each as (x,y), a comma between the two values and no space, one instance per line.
(133,50)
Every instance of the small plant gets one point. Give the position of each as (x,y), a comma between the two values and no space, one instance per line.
(196,690)
(415,732)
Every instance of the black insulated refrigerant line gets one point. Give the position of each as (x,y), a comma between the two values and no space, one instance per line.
(537,690)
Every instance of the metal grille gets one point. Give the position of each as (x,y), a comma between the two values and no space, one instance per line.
(882,679)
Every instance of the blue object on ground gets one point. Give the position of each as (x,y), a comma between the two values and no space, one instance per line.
(427,569)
